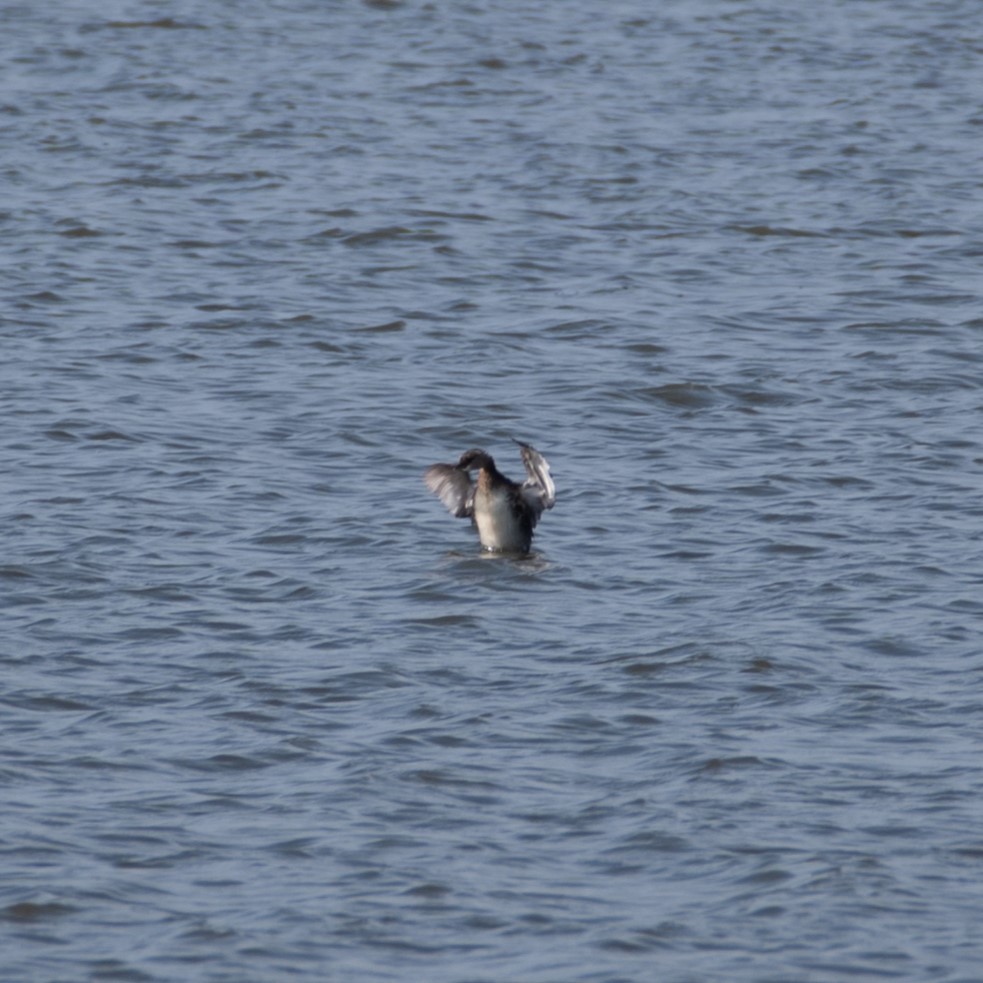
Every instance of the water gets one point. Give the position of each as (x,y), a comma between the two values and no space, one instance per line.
(268,713)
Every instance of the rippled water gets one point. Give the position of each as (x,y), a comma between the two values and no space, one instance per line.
(268,713)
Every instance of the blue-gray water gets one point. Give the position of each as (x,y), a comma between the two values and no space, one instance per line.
(267,714)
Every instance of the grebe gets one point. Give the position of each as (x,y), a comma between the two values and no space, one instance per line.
(505,512)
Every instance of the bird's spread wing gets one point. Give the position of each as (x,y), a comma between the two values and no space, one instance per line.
(453,487)
(538,490)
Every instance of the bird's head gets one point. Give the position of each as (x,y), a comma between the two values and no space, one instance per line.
(475,459)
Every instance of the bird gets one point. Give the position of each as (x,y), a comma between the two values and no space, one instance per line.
(505,512)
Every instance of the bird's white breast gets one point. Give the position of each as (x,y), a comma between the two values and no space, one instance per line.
(498,527)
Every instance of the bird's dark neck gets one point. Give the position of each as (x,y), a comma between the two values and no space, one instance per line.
(490,477)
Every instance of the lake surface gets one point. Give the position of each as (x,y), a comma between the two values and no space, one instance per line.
(266,711)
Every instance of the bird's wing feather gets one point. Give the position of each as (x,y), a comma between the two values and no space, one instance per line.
(453,487)
(538,490)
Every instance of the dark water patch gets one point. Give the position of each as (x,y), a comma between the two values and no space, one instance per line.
(330,233)
(447,620)
(713,767)
(15,573)
(684,395)
(760,231)
(456,216)
(390,233)
(90,763)
(80,232)
(45,297)
(195,244)
(386,328)
(148,633)
(31,912)
(586,328)
(800,550)
(41,703)
(221,763)
(896,647)
(161,23)
(110,435)
(647,348)
(755,397)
